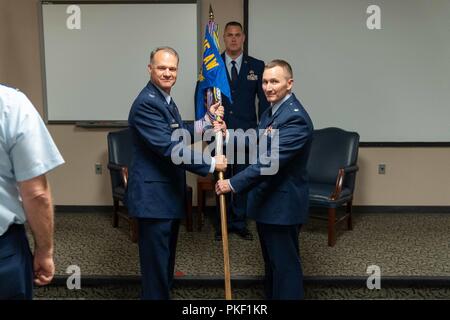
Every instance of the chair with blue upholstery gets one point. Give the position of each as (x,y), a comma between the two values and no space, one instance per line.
(119,160)
(332,168)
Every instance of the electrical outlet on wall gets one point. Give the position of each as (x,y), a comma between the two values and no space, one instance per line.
(98,168)
(381,168)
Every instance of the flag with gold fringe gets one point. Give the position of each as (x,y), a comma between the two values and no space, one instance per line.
(213,74)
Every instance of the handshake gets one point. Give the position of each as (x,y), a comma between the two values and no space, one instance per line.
(215,116)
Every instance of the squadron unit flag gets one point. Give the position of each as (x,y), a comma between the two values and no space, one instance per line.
(213,74)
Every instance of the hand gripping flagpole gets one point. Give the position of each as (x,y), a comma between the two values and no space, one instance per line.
(216,97)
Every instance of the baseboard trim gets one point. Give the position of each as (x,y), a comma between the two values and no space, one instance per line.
(356,209)
(243,281)
(401,209)
(387,209)
(82,209)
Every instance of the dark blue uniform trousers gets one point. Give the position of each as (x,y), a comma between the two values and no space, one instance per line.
(283,271)
(16,265)
(157,246)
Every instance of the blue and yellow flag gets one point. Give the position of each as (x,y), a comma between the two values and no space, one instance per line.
(212,75)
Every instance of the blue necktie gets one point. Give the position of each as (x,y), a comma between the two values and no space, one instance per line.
(234,74)
(173,108)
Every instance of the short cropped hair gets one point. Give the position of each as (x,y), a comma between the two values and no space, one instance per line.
(280,63)
(234,24)
(166,49)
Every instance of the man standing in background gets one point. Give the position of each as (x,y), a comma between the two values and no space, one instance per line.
(244,77)
(27,153)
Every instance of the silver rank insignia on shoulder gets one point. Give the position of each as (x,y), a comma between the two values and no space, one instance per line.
(151,95)
(252,76)
(174,125)
(295,109)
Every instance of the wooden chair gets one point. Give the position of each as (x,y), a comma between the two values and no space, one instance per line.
(119,159)
(204,184)
(332,167)
(188,205)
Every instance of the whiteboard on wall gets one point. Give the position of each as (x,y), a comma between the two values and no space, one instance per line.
(390,85)
(94,73)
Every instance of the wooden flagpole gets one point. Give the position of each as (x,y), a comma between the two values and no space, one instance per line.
(222,202)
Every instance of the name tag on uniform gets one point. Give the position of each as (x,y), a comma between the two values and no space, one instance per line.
(174,125)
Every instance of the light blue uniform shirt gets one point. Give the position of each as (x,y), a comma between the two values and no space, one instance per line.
(277,105)
(26,151)
(230,65)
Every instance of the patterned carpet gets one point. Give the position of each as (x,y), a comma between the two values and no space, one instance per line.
(405,246)
(250,292)
(400,244)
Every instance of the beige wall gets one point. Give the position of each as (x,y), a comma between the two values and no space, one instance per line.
(414,176)
(224,11)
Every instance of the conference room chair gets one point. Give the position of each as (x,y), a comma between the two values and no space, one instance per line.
(332,168)
(204,185)
(119,160)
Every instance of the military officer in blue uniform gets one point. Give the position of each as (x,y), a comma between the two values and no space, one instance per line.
(156,188)
(278,200)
